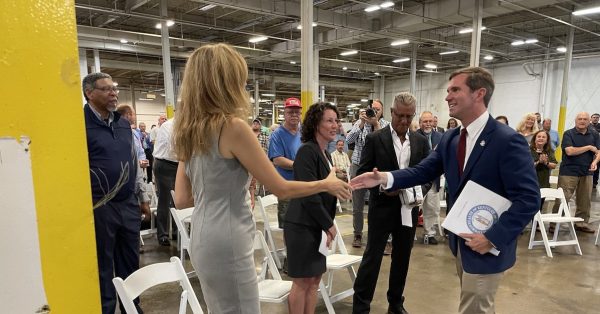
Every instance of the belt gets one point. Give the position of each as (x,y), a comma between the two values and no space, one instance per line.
(168,161)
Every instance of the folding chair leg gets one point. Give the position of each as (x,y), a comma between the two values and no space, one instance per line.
(597,234)
(272,248)
(325,296)
(574,237)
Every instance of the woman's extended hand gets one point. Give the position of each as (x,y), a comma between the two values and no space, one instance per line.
(337,187)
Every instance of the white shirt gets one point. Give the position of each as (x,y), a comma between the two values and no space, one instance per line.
(473,131)
(163,148)
(402,150)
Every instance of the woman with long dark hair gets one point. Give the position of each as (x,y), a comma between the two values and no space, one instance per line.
(543,156)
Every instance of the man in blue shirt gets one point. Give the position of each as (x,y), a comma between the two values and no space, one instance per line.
(581,153)
(283,145)
(547,124)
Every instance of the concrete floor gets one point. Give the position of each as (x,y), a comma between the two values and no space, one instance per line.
(567,283)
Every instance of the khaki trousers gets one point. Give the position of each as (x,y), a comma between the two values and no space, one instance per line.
(477,291)
(582,188)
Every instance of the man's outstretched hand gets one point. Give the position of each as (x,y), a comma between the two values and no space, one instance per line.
(369,180)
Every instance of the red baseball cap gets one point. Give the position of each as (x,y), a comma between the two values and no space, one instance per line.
(292,103)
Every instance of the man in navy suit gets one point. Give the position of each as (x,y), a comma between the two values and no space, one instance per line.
(490,154)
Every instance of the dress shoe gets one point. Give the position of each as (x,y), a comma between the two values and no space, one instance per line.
(357,241)
(401,310)
(164,242)
(584,228)
(388,249)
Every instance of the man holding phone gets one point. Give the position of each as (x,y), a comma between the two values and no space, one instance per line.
(368,121)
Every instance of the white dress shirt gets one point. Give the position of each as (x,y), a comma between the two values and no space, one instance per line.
(402,149)
(163,147)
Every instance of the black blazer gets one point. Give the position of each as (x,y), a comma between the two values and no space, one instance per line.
(317,210)
(379,152)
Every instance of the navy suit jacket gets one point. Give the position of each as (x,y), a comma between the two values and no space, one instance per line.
(501,162)
(436,137)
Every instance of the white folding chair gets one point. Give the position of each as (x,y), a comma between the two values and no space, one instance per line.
(337,261)
(563,216)
(597,234)
(182,219)
(271,227)
(152,275)
(275,289)
(153,204)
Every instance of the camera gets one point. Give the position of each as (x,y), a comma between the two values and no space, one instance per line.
(370,112)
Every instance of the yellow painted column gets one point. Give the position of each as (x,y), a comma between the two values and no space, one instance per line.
(41,98)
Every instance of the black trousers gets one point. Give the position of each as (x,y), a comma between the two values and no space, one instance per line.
(380,227)
(117,226)
(164,173)
(150,158)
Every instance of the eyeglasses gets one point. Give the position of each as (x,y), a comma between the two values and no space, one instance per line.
(108,89)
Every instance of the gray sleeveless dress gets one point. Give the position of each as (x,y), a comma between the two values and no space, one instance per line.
(221,247)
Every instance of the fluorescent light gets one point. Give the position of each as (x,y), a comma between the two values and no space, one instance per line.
(561,49)
(207,7)
(115,84)
(349,52)
(300,26)
(376,73)
(292,62)
(517,43)
(268,95)
(387,4)
(345,68)
(401,60)
(428,71)
(469,30)
(431,66)
(257,39)
(364,100)
(123,41)
(587,11)
(399,42)
(489,57)
(449,52)
(372,8)
(531,41)
(169,24)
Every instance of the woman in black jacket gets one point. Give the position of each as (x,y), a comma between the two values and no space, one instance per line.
(308,217)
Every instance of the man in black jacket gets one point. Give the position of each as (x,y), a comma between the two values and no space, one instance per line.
(390,148)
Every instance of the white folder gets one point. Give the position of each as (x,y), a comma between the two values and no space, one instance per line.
(475,211)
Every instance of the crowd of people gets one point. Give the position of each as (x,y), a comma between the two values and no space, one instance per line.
(215,161)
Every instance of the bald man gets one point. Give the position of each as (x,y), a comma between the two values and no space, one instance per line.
(581,153)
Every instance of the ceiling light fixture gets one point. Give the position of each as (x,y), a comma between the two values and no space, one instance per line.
(123,41)
(469,30)
(372,8)
(169,24)
(348,52)
(207,7)
(292,62)
(387,4)
(364,100)
(257,39)
(561,49)
(268,95)
(115,84)
(489,57)
(517,43)
(531,41)
(448,52)
(431,66)
(345,68)
(401,60)
(376,73)
(300,26)
(587,11)
(400,42)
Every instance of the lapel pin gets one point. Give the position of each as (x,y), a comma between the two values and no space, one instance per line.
(482,143)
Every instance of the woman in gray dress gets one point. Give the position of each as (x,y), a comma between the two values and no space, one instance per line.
(217,149)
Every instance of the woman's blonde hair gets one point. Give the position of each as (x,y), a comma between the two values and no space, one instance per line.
(521,126)
(213,91)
